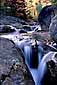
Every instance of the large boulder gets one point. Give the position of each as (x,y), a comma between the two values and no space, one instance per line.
(53,29)
(50,77)
(46,15)
(13,70)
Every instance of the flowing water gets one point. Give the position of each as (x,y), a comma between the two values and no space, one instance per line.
(25,45)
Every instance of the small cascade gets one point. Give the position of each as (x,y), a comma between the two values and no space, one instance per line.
(33,54)
(42,66)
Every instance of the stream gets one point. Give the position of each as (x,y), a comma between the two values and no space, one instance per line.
(25,43)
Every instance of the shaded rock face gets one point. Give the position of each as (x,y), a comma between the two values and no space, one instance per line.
(46,15)
(50,78)
(13,71)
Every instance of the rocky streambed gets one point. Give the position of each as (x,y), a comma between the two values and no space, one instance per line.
(13,70)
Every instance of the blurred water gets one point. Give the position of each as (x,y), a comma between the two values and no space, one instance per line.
(42,66)
(38,73)
(28,60)
(25,45)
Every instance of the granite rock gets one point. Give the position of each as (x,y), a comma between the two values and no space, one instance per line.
(13,70)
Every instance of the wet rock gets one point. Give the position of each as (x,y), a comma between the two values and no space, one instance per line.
(13,70)
(50,78)
(14,21)
(6,29)
(8,81)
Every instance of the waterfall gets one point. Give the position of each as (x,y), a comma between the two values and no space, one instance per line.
(28,60)
(37,73)
(27,53)
(32,57)
(42,66)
